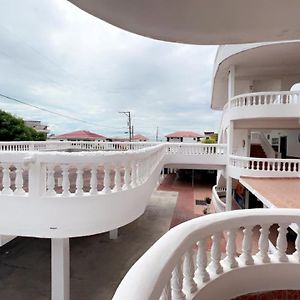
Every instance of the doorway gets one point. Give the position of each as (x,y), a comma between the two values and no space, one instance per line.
(283,146)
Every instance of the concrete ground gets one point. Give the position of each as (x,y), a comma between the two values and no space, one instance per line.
(97,263)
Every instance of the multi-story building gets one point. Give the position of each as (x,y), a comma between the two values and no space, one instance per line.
(184,136)
(220,256)
(38,126)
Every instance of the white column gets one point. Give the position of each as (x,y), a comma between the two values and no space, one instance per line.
(113,234)
(231,82)
(228,193)
(246,199)
(60,269)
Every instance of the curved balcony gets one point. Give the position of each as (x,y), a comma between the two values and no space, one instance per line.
(263,167)
(73,145)
(263,105)
(55,194)
(186,271)
(218,204)
(98,191)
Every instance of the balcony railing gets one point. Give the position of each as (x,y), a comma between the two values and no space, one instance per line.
(218,204)
(265,99)
(76,174)
(263,167)
(177,266)
(73,145)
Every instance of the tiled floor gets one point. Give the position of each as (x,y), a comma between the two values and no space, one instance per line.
(186,208)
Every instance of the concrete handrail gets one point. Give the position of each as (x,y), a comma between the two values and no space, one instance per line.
(176,275)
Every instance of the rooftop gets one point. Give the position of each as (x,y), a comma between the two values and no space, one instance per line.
(80,134)
(178,134)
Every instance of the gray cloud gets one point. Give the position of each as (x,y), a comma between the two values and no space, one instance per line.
(56,56)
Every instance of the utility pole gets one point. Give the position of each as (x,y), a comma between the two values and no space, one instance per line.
(156,137)
(130,127)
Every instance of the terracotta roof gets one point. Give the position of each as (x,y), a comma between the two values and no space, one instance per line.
(139,137)
(179,134)
(81,134)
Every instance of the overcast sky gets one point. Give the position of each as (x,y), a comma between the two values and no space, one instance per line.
(58,57)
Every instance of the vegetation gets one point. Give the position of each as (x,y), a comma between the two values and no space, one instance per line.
(213,139)
(14,129)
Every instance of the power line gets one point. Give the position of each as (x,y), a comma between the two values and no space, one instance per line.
(53,112)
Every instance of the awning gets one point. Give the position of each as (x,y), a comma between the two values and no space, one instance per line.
(275,192)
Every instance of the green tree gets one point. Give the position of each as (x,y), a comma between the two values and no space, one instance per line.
(14,129)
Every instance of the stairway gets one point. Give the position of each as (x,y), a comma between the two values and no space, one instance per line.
(256,150)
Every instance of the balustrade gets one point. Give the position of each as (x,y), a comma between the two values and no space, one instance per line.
(268,166)
(77,174)
(187,240)
(265,98)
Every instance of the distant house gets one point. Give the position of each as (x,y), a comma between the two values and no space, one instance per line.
(81,135)
(135,138)
(38,126)
(139,138)
(184,136)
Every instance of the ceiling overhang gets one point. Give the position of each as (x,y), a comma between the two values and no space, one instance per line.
(210,22)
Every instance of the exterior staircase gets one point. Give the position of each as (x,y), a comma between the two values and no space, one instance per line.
(257,150)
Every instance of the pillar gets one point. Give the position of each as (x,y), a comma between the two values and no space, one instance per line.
(113,234)
(228,193)
(60,269)
(246,199)
(231,82)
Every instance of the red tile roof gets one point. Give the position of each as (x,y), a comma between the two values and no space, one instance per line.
(139,137)
(81,134)
(179,134)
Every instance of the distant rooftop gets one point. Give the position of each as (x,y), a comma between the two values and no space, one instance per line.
(179,134)
(81,134)
(135,137)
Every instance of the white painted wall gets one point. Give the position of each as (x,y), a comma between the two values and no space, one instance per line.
(243,86)
(293,144)
(266,85)
(240,137)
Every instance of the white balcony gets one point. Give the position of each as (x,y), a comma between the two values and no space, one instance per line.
(98,190)
(263,167)
(265,105)
(187,271)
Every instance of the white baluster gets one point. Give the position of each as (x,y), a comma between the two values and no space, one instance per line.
(201,261)
(50,180)
(176,283)
(6,179)
(216,253)
(19,181)
(246,255)
(94,182)
(65,180)
(188,272)
(297,245)
(118,185)
(231,248)
(134,174)
(167,292)
(127,176)
(263,244)
(79,181)
(106,182)
(281,243)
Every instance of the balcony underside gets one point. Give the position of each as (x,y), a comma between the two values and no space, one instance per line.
(200,22)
